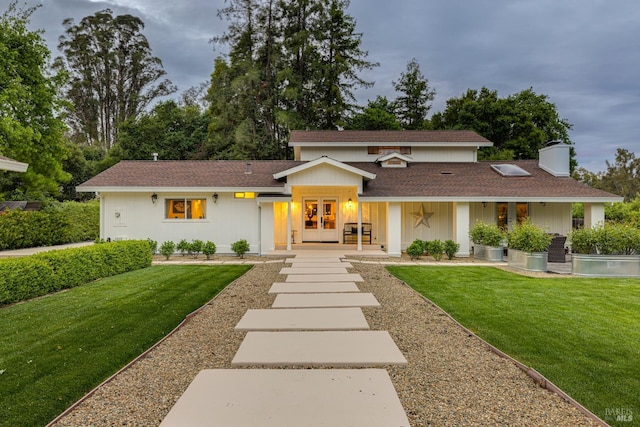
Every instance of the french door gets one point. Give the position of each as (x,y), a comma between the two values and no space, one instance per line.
(320,220)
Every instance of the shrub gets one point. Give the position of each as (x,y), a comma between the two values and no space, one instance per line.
(183,247)
(240,247)
(57,223)
(153,246)
(415,249)
(167,248)
(528,237)
(486,234)
(607,239)
(209,249)
(40,274)
(435,248)
(451,248)
(195,247)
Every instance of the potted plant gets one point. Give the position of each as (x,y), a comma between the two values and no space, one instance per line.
(609,250)
(487,239)
(528,245)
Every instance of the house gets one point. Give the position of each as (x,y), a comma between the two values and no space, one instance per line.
(7,164)
(393,186)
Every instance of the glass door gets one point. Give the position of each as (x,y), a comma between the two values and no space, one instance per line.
(320,218)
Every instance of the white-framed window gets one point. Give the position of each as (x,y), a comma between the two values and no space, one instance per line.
(184,208)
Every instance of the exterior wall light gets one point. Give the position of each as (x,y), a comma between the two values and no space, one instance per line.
(215,197)
(154,198)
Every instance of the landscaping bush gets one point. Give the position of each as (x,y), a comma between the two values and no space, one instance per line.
(607,239)
(240,247)
(153,246)
(195,247)
(451,248)
(183,247)
(209,249)
(57,223)
(528,237)
(435,248)
(167,248)
(416,249)
(40,274)
(486,234)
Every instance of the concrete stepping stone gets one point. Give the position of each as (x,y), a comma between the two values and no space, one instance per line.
(315,270)
(313,259)
(349,277)
(313,287)
(318,348)
(289,397)
(325,300)
(328,319)
(321,265)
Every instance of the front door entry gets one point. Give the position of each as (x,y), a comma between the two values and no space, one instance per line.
(320,220)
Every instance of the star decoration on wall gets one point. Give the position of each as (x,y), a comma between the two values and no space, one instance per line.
(421,217)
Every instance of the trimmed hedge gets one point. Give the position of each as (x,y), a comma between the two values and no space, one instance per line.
(55,224)
(46,272)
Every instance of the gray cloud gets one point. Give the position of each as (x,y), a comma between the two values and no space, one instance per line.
(583,54)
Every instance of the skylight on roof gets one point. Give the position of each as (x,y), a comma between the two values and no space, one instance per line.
(510,170)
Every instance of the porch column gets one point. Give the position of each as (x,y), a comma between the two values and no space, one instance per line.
(394,229)
(359,226)
(267,218)
(289,225)
(461,228)
(593,214)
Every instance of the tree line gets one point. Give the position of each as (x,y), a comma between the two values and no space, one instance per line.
(290,65)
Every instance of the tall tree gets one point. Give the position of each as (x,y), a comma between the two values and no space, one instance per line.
(622,177)
(413,104)
(175,132)
(292,64)
(341,58)
(31,130)
(518,125)
(113,74)
(377,115)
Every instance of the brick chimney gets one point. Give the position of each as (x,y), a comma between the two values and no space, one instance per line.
(554,158)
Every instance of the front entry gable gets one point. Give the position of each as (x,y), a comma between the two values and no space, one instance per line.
(325,171)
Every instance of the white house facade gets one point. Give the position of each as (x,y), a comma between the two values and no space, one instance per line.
(378,188)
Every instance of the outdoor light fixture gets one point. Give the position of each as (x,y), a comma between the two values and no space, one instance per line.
(215,197)
(484,204)
(154,198)
(349,202)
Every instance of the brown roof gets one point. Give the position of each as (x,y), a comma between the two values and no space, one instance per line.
(191,173)
(387,136)
(447,180)
(472,180)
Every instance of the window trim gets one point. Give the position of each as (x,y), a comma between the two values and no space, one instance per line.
(168,206)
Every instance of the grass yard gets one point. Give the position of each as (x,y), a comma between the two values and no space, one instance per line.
(583,334)
(55,349)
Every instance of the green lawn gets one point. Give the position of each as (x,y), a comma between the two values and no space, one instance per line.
(55,349)
(583,334)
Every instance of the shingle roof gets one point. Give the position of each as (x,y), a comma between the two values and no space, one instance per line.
(387,137)
(472,180)
(445,180)
(191,174)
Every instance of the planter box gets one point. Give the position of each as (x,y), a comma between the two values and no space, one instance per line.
(530,261)
(605,265)
(488,253)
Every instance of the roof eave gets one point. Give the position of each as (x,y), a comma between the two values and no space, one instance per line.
(118,189)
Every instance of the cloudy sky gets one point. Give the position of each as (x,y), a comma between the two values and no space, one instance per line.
(583,54)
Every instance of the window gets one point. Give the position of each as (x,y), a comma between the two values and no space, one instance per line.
(374,149)
(503,211)
(185,209)
(244,195)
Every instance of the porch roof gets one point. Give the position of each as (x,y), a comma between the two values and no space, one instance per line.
(8,164)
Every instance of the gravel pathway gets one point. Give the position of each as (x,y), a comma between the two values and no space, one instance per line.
(452,378)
